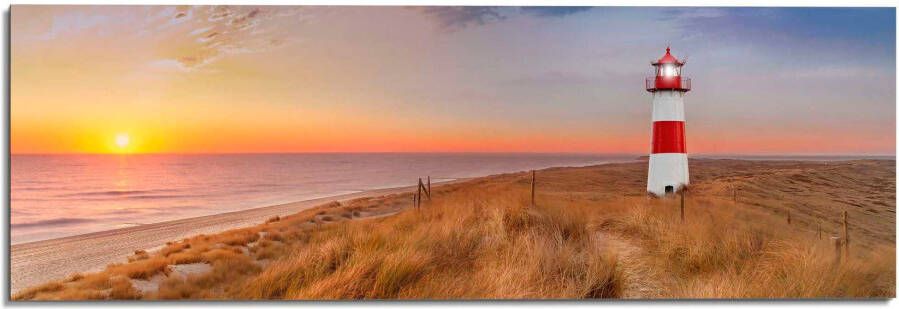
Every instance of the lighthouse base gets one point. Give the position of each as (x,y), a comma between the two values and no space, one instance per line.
(668,173)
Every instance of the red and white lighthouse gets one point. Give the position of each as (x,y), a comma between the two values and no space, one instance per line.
(668,172)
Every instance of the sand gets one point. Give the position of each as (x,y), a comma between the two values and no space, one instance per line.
(37,262)
(812,192)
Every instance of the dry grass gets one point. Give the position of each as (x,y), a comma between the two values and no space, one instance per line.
(473,244)
(138,255)
(143,269)
(481,239)
(726,252)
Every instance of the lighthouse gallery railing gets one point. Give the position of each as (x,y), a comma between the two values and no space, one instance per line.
(667,84)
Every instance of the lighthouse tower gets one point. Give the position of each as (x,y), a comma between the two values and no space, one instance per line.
(668,172)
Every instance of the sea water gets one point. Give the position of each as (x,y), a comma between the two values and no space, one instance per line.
(55,196)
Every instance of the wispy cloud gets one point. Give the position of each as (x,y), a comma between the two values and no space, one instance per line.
(75,22)
(553,11)
(168,65)
(453,18)
(456,17)
(218,31)
(694,13)
(193,36)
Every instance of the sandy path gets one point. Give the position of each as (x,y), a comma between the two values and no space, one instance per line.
(42,261)
(640,281)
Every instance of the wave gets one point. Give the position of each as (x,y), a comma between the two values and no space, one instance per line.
(52,222)
(99,196)
(116,193)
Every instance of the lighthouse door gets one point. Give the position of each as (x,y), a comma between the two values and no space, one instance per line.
(669,189)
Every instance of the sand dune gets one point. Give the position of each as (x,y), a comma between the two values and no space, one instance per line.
(813,193)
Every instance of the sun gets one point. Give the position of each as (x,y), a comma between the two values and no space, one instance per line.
(122,140)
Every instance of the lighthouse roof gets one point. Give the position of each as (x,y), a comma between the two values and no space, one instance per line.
(668,58)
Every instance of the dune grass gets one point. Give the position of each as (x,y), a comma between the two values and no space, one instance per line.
(459,247)
(483,239)
(726,252)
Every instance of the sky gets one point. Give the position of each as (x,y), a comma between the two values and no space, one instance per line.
(207,79)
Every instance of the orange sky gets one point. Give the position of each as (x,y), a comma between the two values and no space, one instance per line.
(324,79)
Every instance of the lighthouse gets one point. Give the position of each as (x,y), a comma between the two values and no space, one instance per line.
(668,171)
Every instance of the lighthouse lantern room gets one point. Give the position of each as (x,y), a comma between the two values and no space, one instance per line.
(668,171)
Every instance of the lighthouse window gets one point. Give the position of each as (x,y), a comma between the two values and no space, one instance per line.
(668,70)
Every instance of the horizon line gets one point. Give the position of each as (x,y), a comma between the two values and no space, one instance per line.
(455,152)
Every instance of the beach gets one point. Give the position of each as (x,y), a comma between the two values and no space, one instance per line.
(793,198)
(36,262)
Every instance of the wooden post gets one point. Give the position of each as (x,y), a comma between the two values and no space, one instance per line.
(837,246)
(421,186)
(789,219)
(429,188)
(533,185)
(419,192)
(819,229)
(735,195)
(683,194)
(846,232)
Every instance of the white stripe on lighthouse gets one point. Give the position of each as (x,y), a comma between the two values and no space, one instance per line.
(668,106)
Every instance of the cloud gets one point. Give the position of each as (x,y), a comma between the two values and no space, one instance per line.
(453,18)
(75,22)
(553,11)
(682,14)
(457,17)
(193,36)
(213,32)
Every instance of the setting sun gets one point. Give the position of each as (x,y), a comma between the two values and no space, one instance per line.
(122,142)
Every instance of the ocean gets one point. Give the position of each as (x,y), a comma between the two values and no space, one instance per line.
(55,196)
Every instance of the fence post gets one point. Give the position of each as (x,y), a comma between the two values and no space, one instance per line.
(846,232)
(419,192)
(789,219)
(735,195)
(683,194)
(533,185)
(837,246)
(429,188)
(819,229)
(421,186)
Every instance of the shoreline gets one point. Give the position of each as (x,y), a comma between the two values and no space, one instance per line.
(40,261)
(325,199)
(35,262)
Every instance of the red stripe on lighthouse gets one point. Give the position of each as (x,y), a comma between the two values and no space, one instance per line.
(668,137)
